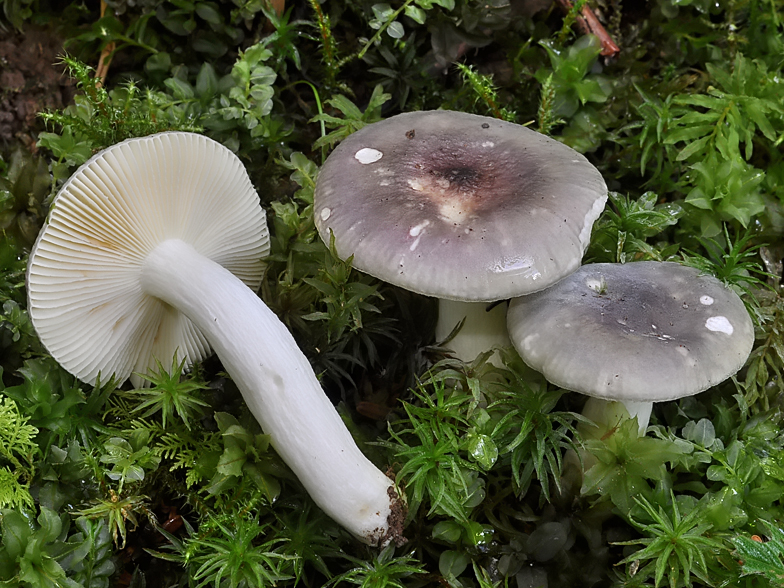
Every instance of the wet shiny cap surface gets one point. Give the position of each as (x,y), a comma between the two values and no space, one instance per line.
(458,206)
(646,331)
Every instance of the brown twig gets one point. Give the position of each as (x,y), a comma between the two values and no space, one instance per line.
(106,54)
(590,25)
(278,7)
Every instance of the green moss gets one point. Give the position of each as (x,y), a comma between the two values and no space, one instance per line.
(686,125)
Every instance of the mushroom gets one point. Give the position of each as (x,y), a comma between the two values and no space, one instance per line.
(154,247)
(462,207)
(637,333)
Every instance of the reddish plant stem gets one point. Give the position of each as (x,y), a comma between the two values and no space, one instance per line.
(590,25)
(106,54)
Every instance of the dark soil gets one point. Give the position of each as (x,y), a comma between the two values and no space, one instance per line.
(31,80)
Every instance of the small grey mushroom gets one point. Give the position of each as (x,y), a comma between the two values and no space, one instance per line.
(461,207)
(637,333)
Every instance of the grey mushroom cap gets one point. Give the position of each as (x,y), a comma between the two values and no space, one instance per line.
(458,206)
(646,331)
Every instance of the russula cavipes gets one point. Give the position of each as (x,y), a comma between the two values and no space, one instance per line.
(637,333)
(155,246)
(465,208)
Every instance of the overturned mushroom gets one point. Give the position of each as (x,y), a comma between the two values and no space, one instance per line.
(154,247)
(638,333)
(465,208)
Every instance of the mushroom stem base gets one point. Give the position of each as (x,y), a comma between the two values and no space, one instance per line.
(279,386)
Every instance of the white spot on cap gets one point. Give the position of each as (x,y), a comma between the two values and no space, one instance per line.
(488,144)
(415,185)
(325,212)
(596,284)
(417,232)
(706,300)
(522,266)
(682,350)
(367,155)
(719,324)
(453,212)
(418,229)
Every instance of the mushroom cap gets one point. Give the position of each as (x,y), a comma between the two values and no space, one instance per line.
(458,206)
(85,299)
(647,331)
